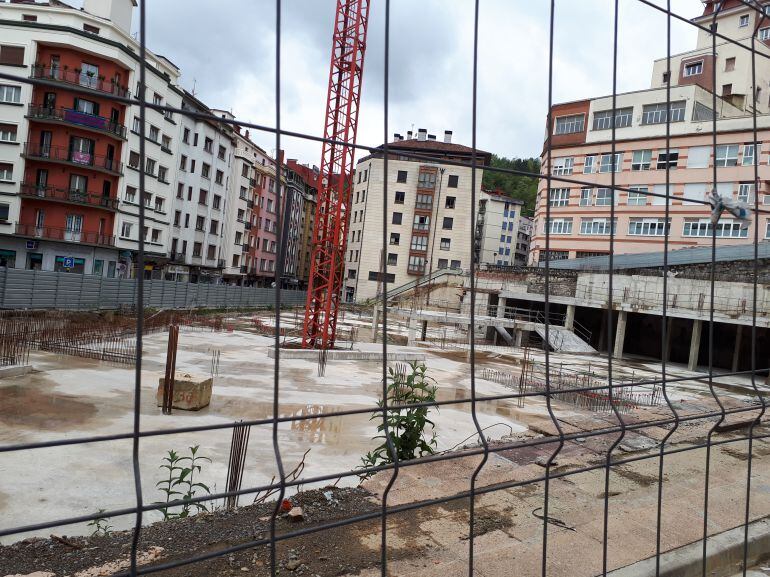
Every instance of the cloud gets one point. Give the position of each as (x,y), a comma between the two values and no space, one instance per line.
(227,51)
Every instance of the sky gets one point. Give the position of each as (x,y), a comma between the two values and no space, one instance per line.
(226,51)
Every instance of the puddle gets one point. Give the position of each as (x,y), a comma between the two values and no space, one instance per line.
(33,407)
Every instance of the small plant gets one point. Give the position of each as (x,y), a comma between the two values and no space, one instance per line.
(180,486)
(100,526)
(407,385)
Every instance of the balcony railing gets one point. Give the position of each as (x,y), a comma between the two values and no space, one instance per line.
(64,235)
(82,79)
(62,154)
(68,195)
(78,118)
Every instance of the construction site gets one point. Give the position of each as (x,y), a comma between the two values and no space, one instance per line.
(71,374)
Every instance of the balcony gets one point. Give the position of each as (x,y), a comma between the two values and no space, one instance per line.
(247,225)
(68,196)
(176,257)
(65,235)
(62,155)
(82,120)
(80,79)
(245,247)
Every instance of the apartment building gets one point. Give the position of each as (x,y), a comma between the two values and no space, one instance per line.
(306,179)
(429,212)
(523,239)
(198,247)
(580,221)
(497,228)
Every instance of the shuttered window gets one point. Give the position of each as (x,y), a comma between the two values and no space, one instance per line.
(12,55)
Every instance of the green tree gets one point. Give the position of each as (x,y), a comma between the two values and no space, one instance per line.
(520,187)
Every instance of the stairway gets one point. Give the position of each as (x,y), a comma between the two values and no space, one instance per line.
(564,340)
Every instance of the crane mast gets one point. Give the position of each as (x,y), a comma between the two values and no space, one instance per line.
(330,224)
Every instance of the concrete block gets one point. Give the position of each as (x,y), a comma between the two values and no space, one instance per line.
(190,393)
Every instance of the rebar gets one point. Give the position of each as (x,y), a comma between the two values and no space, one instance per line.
(239,445)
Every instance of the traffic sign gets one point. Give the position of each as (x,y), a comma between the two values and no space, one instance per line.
(68,262)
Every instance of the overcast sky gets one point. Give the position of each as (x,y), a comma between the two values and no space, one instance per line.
(226,50)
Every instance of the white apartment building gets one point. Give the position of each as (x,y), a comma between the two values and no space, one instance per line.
(497,229)
(429,213)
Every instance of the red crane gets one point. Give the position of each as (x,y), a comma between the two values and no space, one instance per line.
(330,226)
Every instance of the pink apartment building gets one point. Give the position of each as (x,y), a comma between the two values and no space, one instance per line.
(580,222)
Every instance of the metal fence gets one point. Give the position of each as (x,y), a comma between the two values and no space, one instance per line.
(16,292)
(34,289)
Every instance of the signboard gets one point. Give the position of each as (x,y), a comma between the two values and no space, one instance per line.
(31,244)
(68,262)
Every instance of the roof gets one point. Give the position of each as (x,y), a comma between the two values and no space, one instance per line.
(434,149)
(501,195)
(683,256)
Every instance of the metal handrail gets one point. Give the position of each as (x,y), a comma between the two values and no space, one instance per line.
(78,79)
(60,153)
(68,195)
(64,234)
(78,118)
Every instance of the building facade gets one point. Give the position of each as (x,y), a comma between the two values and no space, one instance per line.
(497,229)
(581,142)
(306,179)
(429,213)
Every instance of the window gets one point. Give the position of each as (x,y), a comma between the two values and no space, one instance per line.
(560,226)
(351,273)
(208,145)
(4,211)
(137,126)
(443,263)
(725,228)
(603,119)
(727,90)
(570,124)
(216,201)
(726,155)
(746,192)
(6,171)
(195,139)
(202,194)
(149,167)
(222,152)
(607,165)
(743,21)
(693,69)
(426,180)
(165,142)
(641,160)
(395,238)
(596,226)
(448,223)
(157,99)
(423,201)
(455,264)
(125,230)
(637,196)
(401,177)
(558,197)
(163,174)
(205,170)
(29,18)
(8,133)
(417,264)
(399,197)
(749,157)
(133,160)
(764,34)
(450,202)
(445,244)
(200,223)
(396,218)
(177,218)
(12,55)
(147,199)
(656,113)
(453,181)
(197,247)
(183,163)
(159,200)
(186,136)
(419,243)
(154,133)
(589,164)
(698,156)
(585,196)
(155,236)
(603,197)
(647,227)
(130,194)
(563,166)
(10,94)
(669,159)
(730,64)
(212,254)
(421,222)
(220,177)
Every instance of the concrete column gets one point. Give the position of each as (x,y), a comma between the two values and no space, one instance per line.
(620,334)
(697,327)
(375,322)
(518,333)
(424,331)
(569,320)
(501,307)
(737,351)
(412,338)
